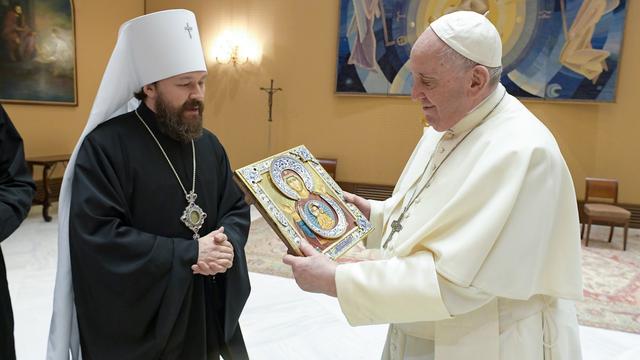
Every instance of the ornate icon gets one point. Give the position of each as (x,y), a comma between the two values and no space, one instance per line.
(302,202)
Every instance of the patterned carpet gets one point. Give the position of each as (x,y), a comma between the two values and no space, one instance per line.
(611,281)
(265,251)
(611,276)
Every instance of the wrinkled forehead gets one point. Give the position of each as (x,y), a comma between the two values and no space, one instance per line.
(425,53)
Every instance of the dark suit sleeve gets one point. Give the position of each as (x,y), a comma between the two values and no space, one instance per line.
(235,217)
(16,184)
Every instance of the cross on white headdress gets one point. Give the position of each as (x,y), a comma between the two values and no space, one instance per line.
(188,29)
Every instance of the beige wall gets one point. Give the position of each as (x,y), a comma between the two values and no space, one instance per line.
(49,130)
(371,136)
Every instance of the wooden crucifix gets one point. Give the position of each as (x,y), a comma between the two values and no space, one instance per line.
(270,90)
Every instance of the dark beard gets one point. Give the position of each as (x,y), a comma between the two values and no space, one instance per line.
(172,123)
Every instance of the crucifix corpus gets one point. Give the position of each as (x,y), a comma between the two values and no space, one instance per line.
(270,90)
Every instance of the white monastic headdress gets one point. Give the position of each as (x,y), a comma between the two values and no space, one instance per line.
(149,48)
(470,35)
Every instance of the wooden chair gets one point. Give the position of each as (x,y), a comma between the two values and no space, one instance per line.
(330,166)
(600,199)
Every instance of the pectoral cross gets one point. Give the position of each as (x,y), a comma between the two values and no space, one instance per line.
(395,228)
(188,29)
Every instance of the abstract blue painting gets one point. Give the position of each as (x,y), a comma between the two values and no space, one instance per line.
(552,49)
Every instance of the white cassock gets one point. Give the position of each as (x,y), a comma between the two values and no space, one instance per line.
(487,264)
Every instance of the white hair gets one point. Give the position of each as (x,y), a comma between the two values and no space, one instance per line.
(453,58)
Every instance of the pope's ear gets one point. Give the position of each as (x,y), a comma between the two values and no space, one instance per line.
(479,79)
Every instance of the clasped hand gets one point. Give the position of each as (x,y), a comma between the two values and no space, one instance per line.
(215,253)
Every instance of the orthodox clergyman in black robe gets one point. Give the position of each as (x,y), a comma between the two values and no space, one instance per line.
(131,256)
(152,225)
(16,193)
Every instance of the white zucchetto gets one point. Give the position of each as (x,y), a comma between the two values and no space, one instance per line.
(471,35)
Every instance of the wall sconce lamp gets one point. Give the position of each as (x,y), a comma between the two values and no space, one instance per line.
(236,48)
(232,57)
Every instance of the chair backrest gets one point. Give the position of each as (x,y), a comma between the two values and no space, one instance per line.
(603,190)
(330,166)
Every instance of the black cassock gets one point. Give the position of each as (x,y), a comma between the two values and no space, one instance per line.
(16,193)
(135,294)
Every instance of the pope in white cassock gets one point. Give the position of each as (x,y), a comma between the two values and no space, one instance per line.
(479,244)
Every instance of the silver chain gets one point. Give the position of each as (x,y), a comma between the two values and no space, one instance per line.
(416,193)
(193,150)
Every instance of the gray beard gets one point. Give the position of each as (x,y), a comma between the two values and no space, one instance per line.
(171,121)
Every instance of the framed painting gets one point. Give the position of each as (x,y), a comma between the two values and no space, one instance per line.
(37,52)
(301,202)
(552,49)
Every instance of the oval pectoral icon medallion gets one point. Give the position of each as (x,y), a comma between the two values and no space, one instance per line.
(194,217)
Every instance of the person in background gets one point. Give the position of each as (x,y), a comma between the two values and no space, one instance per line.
(16,193)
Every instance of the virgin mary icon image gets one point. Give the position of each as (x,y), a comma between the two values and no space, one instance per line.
(319,218)
(301,203)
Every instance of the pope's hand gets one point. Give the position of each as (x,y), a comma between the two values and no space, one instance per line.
(361,203)
(313,272)
(215,253)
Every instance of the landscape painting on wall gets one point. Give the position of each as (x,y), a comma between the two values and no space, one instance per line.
(37,52)
(552,49)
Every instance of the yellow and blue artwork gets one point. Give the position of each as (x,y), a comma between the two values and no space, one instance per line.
(552,49)
(302,203)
